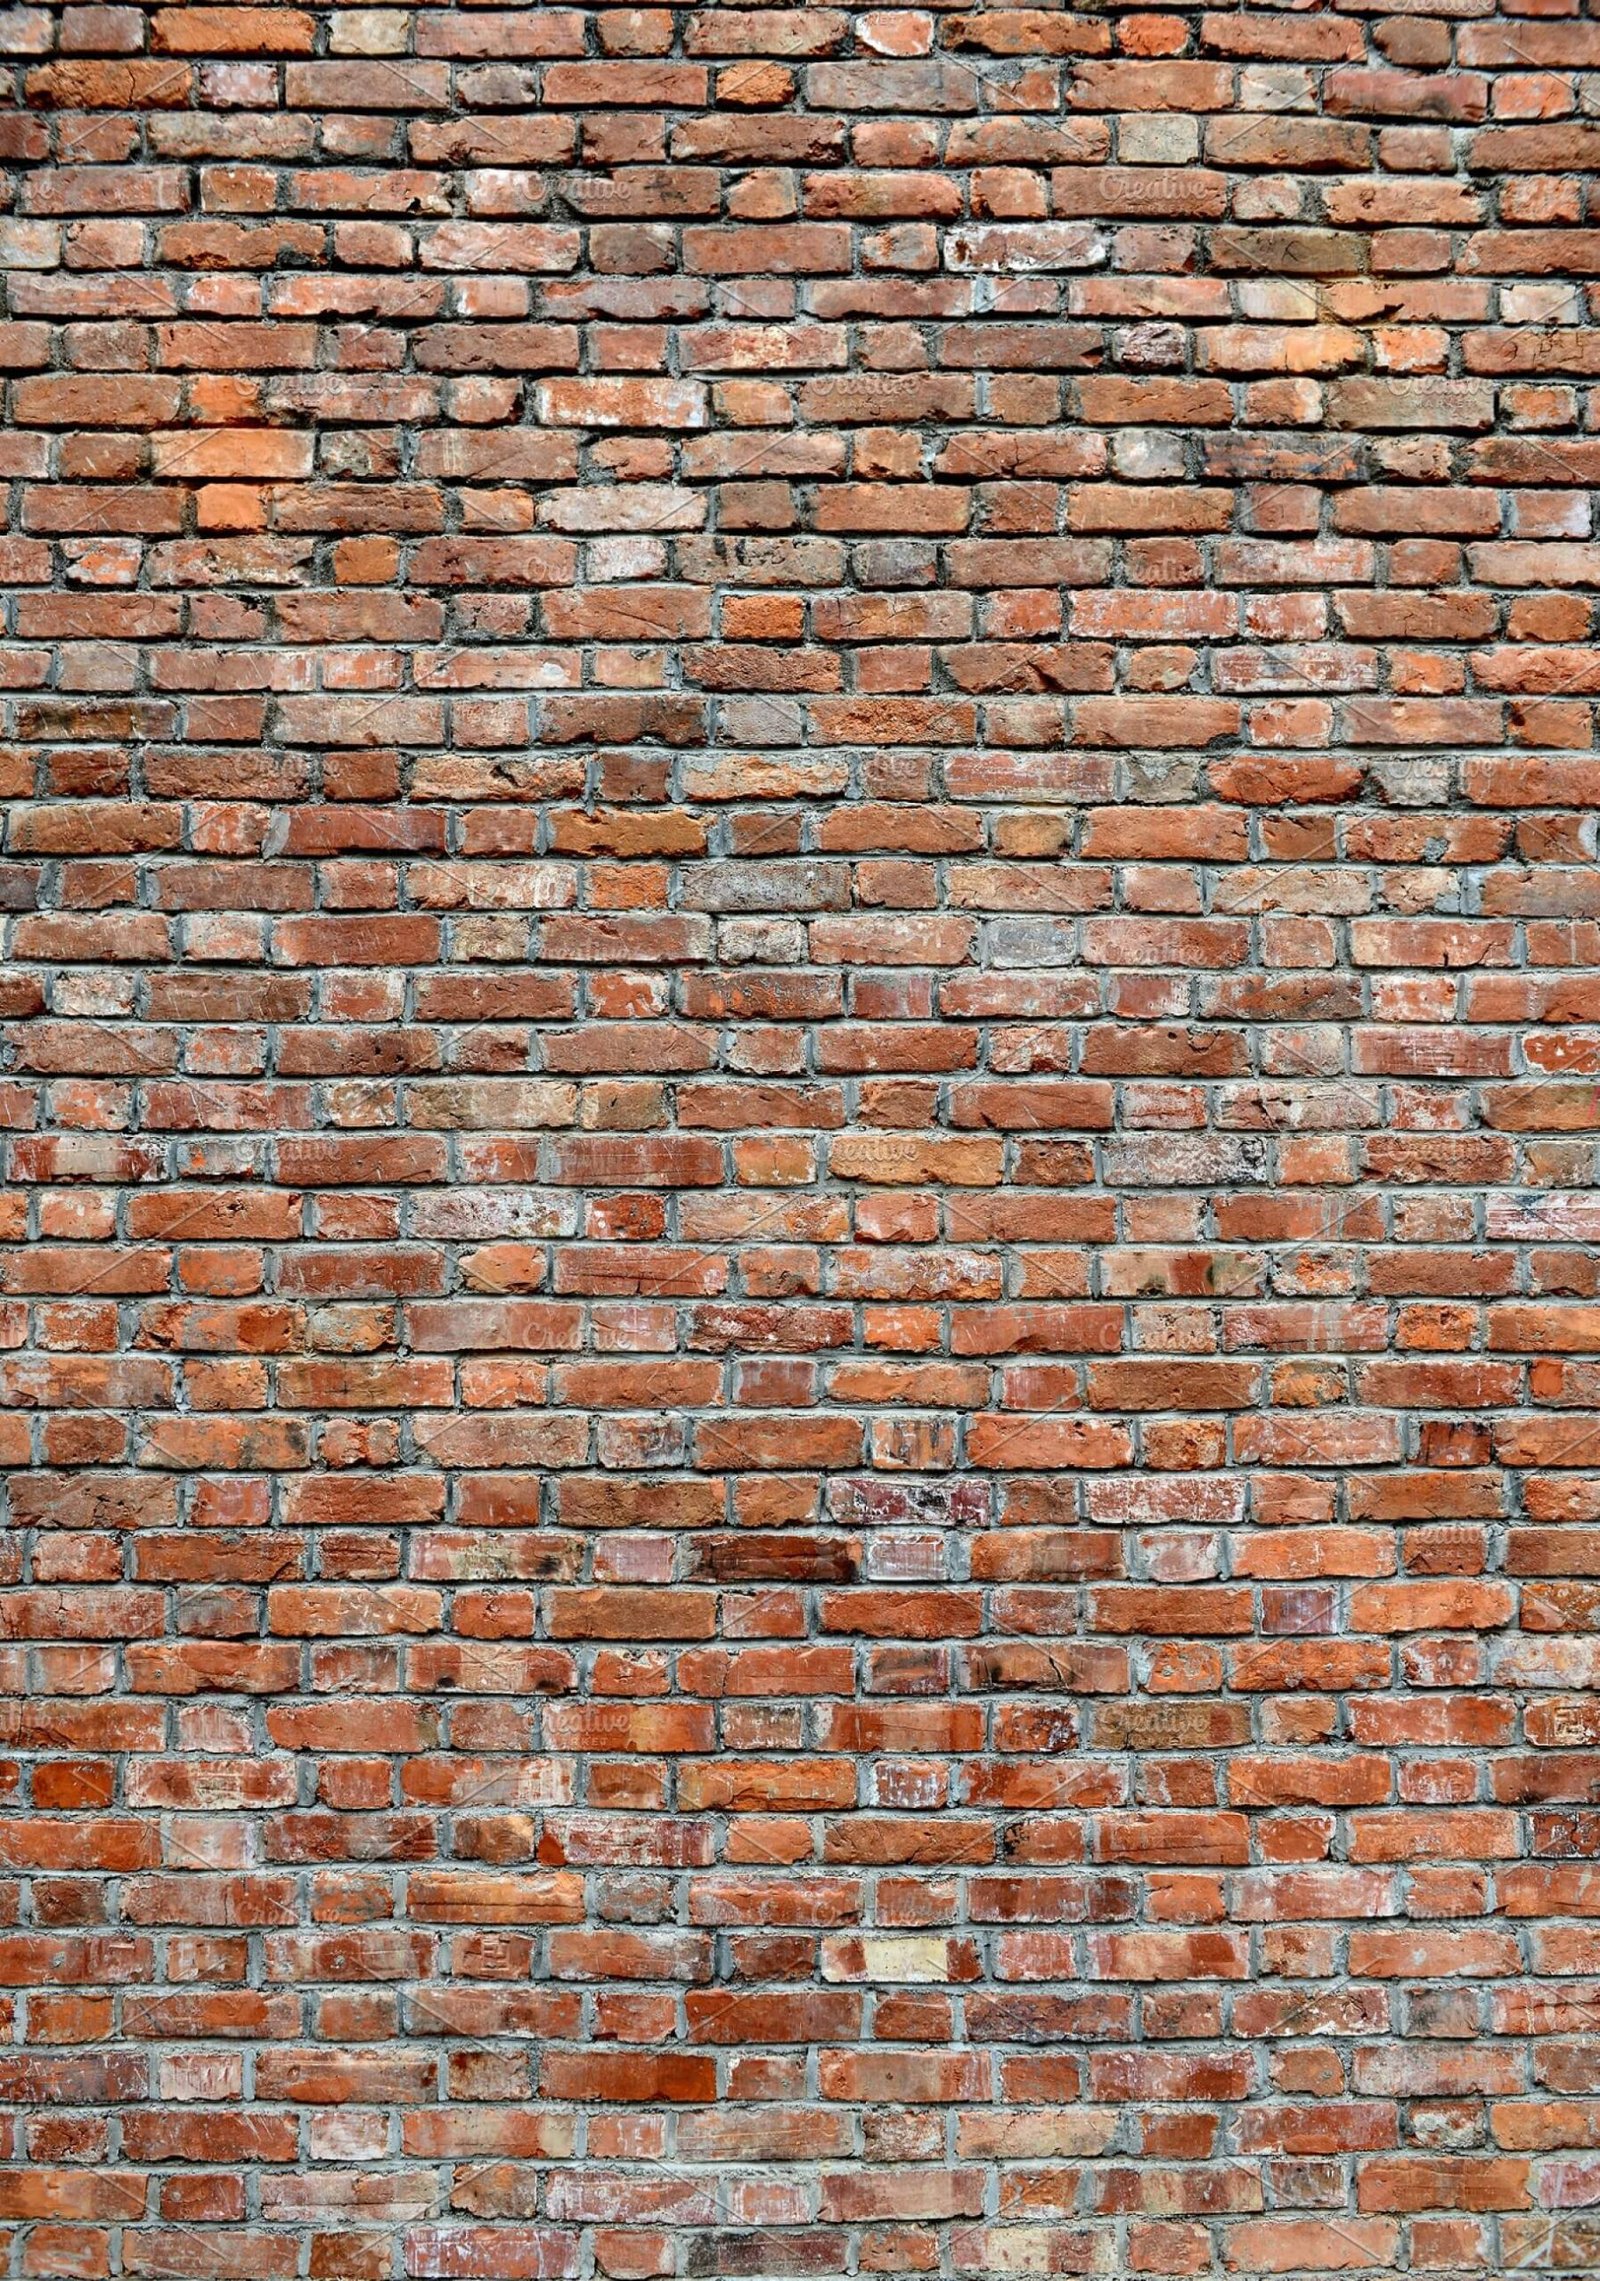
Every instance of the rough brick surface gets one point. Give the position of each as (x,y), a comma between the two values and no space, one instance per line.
(801,1308)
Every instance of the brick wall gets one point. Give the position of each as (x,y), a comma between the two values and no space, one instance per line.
(801,1297)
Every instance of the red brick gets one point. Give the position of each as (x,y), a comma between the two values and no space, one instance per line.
(797,803)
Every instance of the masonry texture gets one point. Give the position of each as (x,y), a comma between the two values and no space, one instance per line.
(801,1305)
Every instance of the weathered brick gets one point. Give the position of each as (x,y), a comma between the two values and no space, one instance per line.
(796,1319)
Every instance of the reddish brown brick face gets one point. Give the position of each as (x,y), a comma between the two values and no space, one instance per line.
(800,1322)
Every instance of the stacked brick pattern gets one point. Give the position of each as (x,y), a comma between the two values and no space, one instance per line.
(801,1320)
